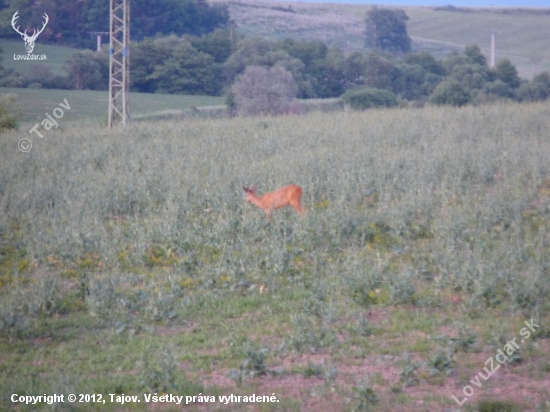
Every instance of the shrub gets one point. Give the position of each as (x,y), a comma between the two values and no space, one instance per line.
(529,92)
(9,112)
(12,78)
(43,77)
(538,89)
(369,97)
(493,91)
(450,92)
(88,70)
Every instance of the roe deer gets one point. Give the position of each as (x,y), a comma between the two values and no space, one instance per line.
(288,195)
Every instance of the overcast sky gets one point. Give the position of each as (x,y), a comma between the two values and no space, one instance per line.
(457,3)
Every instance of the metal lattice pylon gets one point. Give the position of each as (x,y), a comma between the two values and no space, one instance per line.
(119,73)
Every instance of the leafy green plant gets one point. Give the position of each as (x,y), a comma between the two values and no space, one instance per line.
(253,366)
(442,362)
(328,372)
(365,396)
(402,291)
(407,376)
(158,372)
(363,326)
(464,341)
(309,334)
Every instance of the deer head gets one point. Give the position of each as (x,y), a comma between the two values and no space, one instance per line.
(29,40)
(248,191)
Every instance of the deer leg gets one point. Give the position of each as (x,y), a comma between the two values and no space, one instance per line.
(297,207)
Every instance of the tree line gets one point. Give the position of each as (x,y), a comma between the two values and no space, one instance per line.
(210,61)
(209,65)
(75,20)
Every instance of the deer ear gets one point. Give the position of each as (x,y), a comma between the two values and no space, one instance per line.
(245,188)
(252,188)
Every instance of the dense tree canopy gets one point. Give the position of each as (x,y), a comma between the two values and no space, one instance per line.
(426,61)
(314,66)
(72,21)
(186,71)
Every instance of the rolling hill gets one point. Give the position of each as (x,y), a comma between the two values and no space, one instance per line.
(522,34)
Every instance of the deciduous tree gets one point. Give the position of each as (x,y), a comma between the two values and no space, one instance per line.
(387,30)
(261,90)
(508,73)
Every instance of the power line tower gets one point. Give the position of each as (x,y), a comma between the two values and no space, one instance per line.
(119,73)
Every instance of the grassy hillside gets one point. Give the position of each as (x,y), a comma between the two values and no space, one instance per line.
(93,105)
(129,263)
(521,35)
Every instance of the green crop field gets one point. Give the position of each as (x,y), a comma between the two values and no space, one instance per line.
(522,34)
(93,105)
(130,264)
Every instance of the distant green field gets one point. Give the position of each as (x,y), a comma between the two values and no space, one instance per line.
(87,104)
(522,35)
(56,56)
